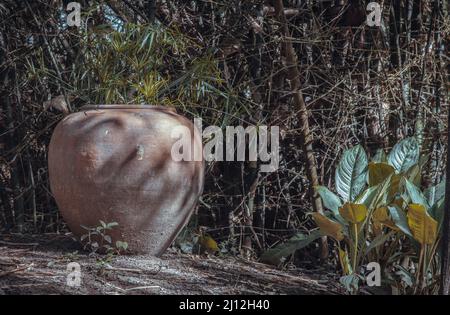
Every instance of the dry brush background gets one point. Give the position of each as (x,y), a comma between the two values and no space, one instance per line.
(314,68)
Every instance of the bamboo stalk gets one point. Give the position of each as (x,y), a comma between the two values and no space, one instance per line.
(306,135)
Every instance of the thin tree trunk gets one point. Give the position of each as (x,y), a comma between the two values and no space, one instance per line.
(294,78)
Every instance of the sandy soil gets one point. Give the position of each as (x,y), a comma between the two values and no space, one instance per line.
(38,265)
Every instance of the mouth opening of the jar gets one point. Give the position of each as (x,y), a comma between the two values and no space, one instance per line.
(125,106)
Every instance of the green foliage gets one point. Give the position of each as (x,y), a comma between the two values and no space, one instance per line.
(404,155)
(350,173)
(144,64)
(384,217)
(98,239)
(137,64)
(330,201)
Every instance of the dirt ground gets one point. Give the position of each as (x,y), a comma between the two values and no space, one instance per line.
(38,265)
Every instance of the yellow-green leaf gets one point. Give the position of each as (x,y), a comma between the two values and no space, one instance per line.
(422,225)
(354,213)
(208,244)
(381,217)
(395,185)
(328,227)
(378,172)
(345,263)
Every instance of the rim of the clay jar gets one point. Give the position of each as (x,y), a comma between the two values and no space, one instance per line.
(125,106)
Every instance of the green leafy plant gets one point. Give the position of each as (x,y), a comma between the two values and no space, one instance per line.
(97,239)
(379,214)
(424,215)
(144,64)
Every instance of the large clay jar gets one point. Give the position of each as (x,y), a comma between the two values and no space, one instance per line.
(113,163)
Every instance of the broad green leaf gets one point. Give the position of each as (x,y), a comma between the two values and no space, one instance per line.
(414,175)
(350,173)
(367,196)
(274,255)
(423,159)
(400,219)
(435,193)
(437,212)
(381,194)
(415,194)
(378,172)
(330,200)
(422,225)
(394,187)
(379,157)
(328,227)
(404,154)
(381,217)
(353,213)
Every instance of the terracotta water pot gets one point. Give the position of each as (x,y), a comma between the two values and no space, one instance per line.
(113,163)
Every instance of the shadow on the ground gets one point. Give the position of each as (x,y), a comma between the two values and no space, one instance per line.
(38,264)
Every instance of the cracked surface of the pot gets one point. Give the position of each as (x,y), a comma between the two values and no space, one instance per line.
(113,163)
